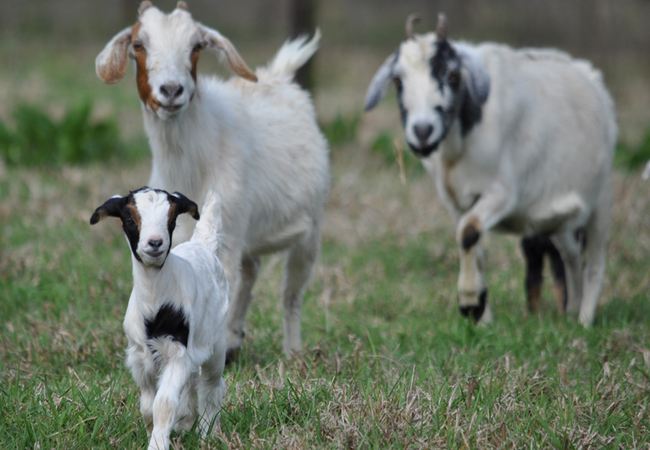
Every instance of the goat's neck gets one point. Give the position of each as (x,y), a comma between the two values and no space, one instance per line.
(184,146)
(150,284)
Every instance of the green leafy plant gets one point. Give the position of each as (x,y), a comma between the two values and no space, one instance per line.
(341,130)
(631,158)
(37,139)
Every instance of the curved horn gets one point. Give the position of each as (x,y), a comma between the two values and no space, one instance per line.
(182,5)
(441,29)
(411,20)
(143,6)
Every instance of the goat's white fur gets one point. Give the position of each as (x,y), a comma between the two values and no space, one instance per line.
(190,278)
(258,143)
(538,162)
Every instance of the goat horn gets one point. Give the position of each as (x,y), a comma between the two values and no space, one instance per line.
(143,6)
(411,20)
(182,5)
(441,29)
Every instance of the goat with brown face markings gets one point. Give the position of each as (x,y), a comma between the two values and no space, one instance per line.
(175,322)
(518,141)
(255,137)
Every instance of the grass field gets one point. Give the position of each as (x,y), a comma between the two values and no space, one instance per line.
(388,361)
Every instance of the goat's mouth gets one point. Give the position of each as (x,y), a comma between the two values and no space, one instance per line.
(154,254)
(424,151)
(171,108)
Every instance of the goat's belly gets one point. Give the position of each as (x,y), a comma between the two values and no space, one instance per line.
(280,238)
(564,213)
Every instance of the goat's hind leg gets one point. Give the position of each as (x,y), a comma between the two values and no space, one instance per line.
(298,269)
(596,233)
(534,248)
(211,390)
(240,301)
(571,251)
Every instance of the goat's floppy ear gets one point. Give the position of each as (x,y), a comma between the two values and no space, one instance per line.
(112,207)
(216,42)
(112,62)
(379,82)
(478,79)
(185,205)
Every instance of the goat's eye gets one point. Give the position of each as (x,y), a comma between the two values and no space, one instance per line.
(137,46)
(199,46)
(129,221)
(454,77)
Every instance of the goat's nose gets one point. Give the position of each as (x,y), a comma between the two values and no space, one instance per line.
(423,131)
(155,243)
(171,90)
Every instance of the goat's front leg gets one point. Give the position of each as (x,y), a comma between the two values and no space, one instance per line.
(175,375)
(492,206)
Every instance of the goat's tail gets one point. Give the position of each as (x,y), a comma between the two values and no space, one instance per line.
(293,55)
(208,228)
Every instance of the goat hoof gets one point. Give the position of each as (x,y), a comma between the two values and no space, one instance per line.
(231,355)
(475,312)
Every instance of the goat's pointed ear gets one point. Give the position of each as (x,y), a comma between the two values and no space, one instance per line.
(185,205)
(216,42)
(112,62)
(379,82)
(111,207)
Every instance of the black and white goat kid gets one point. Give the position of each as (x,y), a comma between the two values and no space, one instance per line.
(176,318)
(519,141)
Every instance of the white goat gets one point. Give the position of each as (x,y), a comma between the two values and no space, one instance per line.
(257,142)
(519,141)
(176,319)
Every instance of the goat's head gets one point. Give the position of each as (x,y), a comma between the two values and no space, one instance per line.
(148,219)
(166,50)
(437,81)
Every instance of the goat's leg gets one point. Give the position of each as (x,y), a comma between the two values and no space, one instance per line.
(570,250)
(241,295)
(533,250)
(211,390)
(492,206)
(147,396)
(559,277)
(298,269)
(174,377)
(186,412)
(594,268)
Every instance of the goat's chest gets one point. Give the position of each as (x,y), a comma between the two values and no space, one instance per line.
(458,185)
(154,338)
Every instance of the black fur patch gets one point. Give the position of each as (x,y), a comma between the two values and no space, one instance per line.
(476,312)
(470,236)
(470,114)
(534,248)
(168,322)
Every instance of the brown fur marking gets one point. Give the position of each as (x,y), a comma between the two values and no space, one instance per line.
(535,298)
(135,215)
(142,76)
(194,60)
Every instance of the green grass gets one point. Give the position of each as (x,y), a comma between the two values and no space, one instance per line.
(388,361)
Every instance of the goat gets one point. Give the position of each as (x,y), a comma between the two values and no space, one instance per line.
(175,322)
(518,141)
(257,142)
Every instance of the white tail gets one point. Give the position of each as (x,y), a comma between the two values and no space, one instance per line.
(293,55)
(208,228)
